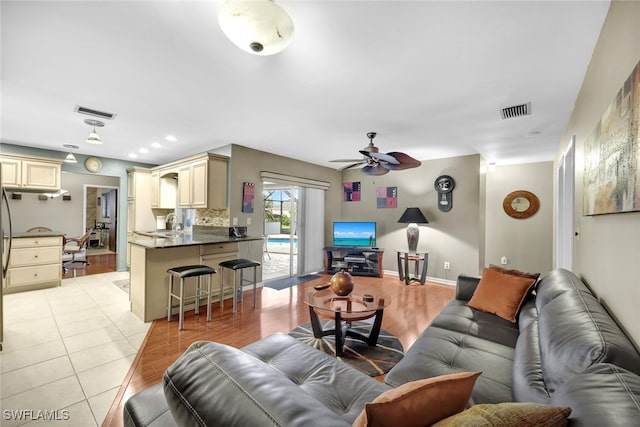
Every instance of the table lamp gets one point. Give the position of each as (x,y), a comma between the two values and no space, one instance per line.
(412,217)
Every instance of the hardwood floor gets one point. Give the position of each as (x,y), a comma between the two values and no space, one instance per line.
(97,264)
(412,309)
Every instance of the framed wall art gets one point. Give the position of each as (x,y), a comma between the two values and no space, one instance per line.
(248,193)
(351,191)
(612,154)
(387,197)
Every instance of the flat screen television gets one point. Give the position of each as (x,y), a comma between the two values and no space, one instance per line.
(354,233)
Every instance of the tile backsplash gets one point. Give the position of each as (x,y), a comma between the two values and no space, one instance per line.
(212,217)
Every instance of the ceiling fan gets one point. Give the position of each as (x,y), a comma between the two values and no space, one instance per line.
(376,163)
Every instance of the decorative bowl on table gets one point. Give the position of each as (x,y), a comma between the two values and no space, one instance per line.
(342,283)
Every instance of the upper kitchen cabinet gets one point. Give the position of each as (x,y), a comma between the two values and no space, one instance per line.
(164,188)
(202,182)
(30,173)
(140,215)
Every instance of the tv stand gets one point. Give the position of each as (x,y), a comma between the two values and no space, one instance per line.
(355,260)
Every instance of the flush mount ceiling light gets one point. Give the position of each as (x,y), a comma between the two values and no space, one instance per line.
(260,27)
(94,138)
(70,157)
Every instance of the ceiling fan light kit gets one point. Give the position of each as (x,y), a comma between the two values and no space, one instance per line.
(376,163)
(259,27)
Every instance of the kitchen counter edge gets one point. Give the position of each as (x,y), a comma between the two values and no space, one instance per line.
(188,240)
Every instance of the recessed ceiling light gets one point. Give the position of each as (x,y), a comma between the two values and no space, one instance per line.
(133,155)
(144,150)
(171,138)
(156,145)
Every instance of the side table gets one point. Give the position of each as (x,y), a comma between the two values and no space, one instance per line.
(404,257)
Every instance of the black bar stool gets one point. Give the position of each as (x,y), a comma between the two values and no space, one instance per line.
(182,273)
(234,265)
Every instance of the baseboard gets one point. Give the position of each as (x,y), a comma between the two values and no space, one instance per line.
(429,278)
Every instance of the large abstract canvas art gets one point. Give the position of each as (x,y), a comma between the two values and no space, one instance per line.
(612,154)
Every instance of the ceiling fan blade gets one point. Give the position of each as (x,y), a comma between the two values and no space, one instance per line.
(376,170)
(353,165)
(405,161)
(345,160)
(384,158)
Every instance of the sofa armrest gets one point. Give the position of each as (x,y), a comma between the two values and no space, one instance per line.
(466,286)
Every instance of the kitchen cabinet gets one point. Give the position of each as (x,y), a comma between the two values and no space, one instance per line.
(30,173)
(139,213)
(202,182)
(36,263)
(164,189)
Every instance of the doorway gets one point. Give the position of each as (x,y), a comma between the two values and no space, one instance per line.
(101,216)
(281,210)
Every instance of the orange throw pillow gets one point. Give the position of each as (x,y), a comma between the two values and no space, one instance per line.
(514,272)
(419,403)
(500,293)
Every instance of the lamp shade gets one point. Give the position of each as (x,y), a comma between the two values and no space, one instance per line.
(70,158)
(260,27)
(93,138)
(413,215)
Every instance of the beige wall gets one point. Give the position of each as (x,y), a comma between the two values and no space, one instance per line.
(527,243)
(246,165)
(453,236)
(607,250)
(57,214)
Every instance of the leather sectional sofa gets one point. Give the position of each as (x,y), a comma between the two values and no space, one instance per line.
(563,350)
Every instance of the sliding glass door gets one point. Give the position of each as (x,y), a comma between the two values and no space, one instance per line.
(281,210)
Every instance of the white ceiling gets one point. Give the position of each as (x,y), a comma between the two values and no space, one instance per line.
(430,77)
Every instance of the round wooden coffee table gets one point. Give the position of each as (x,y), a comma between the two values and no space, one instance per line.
(360,304)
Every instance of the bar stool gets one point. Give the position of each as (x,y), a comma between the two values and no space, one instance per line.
(182,273)
(235,265)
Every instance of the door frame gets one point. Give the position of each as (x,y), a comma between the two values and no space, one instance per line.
(116,204)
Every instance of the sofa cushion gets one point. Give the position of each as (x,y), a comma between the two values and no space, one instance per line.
(501,293)
(148,408)
(296,385)
(462,339)
(593,337)
(510,414)
(419,403)
(601,395)
(528,382)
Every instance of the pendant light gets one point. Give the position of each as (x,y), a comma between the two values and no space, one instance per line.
(93,137)
(259,27)
(70,157)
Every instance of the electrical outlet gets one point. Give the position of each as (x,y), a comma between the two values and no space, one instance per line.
(447,265)
(503,260)
(234,221)
(249,221)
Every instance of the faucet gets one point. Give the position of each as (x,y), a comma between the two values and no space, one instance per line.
(173,218)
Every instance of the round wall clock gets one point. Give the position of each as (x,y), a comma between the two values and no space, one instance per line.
(93,164)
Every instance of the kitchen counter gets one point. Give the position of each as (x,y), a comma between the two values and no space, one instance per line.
(164,239)
(154,252)
(37,234)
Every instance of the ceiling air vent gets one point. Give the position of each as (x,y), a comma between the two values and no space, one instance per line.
(94,113)
(516,111)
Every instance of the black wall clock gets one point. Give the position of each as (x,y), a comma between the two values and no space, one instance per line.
(444,185)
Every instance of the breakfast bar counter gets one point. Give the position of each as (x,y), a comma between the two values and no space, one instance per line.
(153,253)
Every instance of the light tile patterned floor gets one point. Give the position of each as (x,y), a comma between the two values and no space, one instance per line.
(66,351)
